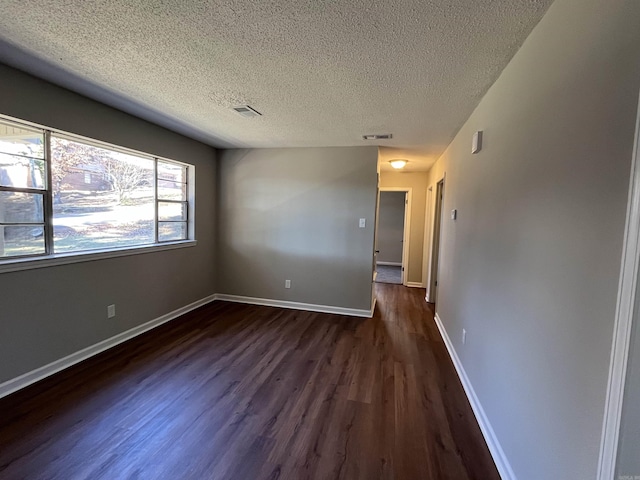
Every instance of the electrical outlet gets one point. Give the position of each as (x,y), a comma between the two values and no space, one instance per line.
(287,284)
(111,311)
(464,336)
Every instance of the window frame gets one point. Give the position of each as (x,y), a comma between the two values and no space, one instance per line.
(44,191)
(185,202)
(49,257)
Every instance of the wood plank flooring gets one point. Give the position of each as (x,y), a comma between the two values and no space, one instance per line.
(234,391)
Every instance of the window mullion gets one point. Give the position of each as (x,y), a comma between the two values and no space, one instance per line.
(37,191)
(22,224)
(28,157)
(187,201)
(48,196)
(155,199)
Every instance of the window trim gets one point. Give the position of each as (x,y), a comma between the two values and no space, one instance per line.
(49,258)
(13,264)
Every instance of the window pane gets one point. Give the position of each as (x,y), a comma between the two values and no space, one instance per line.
(172,171)
(21,172)
(15,241)
(21,207)
(102,198)
(171,190)
(172,211)
(18,140)
(168,231)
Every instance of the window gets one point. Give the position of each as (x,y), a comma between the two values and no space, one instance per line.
(172,201)
(63,194)
(22,191)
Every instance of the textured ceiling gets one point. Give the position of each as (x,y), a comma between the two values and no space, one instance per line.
(322,73)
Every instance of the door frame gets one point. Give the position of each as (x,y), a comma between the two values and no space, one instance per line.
(624,318)
(436,236)
(406,234)
(426,244)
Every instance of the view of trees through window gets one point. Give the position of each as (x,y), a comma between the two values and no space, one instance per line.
(99,198)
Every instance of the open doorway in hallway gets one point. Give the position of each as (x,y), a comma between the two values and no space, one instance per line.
(392,236)
(437,235)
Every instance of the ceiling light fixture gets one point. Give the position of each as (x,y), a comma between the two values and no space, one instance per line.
(398,163)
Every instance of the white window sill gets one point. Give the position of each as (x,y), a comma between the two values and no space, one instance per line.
(18,264)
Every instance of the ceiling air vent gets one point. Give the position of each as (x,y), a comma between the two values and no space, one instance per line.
(382,136)
(247,111)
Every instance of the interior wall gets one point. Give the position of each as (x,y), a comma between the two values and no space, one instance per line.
(418,182)
(391,227)
(49,313)
(293,214)
(530,267)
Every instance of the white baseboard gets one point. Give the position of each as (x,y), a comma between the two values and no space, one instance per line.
(391,264)
(267,302)
(415,285)
(40,373)
(499,457)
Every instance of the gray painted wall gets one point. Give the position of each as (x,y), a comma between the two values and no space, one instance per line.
(293,214)
(530,268)
(391,226)
(48,313)
(628,462)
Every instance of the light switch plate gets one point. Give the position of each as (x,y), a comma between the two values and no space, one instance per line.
(363,222)
(476,144)
(454,214)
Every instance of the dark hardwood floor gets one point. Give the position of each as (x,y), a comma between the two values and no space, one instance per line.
(234,391)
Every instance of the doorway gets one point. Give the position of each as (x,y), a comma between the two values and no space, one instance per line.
(437,236)
(392,235)
(619,442)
